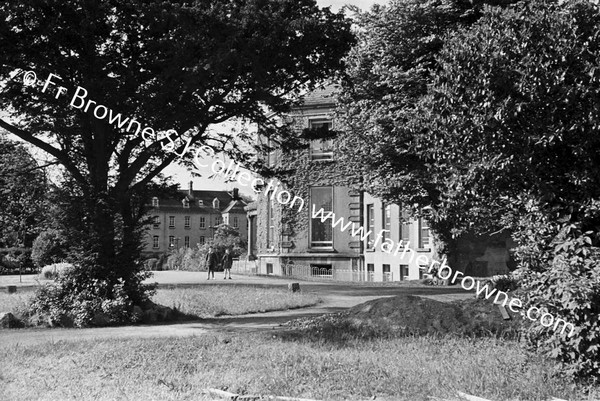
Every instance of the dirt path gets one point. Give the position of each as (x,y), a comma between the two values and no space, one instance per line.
(336,297)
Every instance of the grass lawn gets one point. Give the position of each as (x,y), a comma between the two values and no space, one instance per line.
(206,301)
(15,303)
(219,300)
(410,368)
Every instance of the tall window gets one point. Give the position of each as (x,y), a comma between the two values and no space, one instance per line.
(202,222)
(216,203)
(186,241)
(270,222)
(171,221)
(403,272)
(186,203)
(370,226)
(386,221)
(155,202)
(155,243)
(226,219)
(156,221)
(186,222)
(272,155)
(423,233)
(171,240)
(321,233)
(217,220)
(202,240)
(236,222)
(321,149)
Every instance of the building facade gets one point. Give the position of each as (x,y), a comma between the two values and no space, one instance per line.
(192,218)
(288,241)
(296,242)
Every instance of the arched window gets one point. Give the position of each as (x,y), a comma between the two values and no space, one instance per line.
(216,203)
(155,202)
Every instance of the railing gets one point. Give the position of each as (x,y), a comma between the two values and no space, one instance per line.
(244,266)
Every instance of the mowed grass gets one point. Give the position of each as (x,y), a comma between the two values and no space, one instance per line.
(15,303)
(267,364)
(219,300)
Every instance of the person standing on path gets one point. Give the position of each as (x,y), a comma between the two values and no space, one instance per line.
(212,262)
(226,262)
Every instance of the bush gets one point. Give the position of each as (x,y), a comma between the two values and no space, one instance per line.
(53,271)
(559,262)
(505,282)
(79,299)
(49,247)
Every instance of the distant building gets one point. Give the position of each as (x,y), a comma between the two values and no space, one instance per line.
(192,219)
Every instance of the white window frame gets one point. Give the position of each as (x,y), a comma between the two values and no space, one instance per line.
(187,220)
(325,245)
(155,202)
(424,241)
(236,223)
(327,152)
(171,221)
(155,242)
(202,222)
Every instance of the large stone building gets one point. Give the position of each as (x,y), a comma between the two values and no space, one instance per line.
(192,218)
(288,241)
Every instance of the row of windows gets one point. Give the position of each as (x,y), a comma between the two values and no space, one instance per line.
(386,268)
(321,232)
(187,220)
(174,241)
(403,228)
(186,203)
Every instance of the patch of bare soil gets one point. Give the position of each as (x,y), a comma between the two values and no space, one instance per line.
(412,315)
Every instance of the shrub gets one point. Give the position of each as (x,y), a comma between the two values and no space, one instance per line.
(559,262)
(55,270)
(49,247)
(505,282)
(78,299)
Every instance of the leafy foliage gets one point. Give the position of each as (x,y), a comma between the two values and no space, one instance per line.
(49,247)
(560,268)
(22,195)
(490,117)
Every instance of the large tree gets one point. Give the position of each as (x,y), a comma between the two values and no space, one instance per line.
(389,72)
(501,133)
(177,67)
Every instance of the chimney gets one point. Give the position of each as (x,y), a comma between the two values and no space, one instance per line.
(191,190)
(235,194)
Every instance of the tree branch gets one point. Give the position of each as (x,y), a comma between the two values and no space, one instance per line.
(60,156)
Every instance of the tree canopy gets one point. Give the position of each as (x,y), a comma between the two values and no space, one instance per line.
(73,76)
(493,123)
(175,66)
